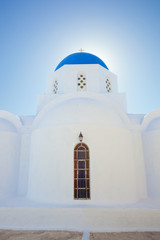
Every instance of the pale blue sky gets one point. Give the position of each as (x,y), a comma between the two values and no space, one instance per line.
(37,34)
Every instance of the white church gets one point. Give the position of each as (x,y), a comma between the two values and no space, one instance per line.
(81,156)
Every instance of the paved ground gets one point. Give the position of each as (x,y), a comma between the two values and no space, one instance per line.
(126,236)
(39,235)
(67,235)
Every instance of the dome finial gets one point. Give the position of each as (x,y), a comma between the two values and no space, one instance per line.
(81,50)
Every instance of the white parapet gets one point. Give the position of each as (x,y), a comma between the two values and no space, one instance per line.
(81,219)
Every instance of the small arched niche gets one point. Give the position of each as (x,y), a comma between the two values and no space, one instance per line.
(108,85)
(81,81)
(55,86)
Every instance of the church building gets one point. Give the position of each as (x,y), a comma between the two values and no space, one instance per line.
(81,149)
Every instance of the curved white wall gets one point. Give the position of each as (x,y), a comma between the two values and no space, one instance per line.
(9,164)
(82,110)
(112,167)
(5,125)
(9,153)
(151,145)
(151,148)
(154,124)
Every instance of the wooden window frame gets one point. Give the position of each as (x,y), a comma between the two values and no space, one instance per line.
(86,169)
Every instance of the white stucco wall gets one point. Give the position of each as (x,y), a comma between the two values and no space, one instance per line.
(96,77)
(124,149)
(81,109)
(9,153)
(112,168)
(139,163)
(9,164)
(24,164)
(151,144)
(119,99)
(87,108)
(95,74)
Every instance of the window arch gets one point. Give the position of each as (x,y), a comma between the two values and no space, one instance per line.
(81,82)
(81,172)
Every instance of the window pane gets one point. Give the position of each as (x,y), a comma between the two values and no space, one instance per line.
(81,164)
(81,193)
(81,183)
(81,155)
(81,148)
(81,174)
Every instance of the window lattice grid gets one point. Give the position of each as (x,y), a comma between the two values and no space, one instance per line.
(55,86)
(108,86)
(81,82)
(81,172)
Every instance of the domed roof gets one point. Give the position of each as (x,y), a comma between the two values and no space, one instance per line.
(81,58)
(154,124)
(6,125)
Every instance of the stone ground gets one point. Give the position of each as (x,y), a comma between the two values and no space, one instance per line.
(40,235)
(68,235)
(126,236)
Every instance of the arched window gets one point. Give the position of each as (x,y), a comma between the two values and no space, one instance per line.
(81,82)
(55,86)
(108,85)
(81,172)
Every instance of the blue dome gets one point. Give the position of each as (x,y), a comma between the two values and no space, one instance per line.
(81,58)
